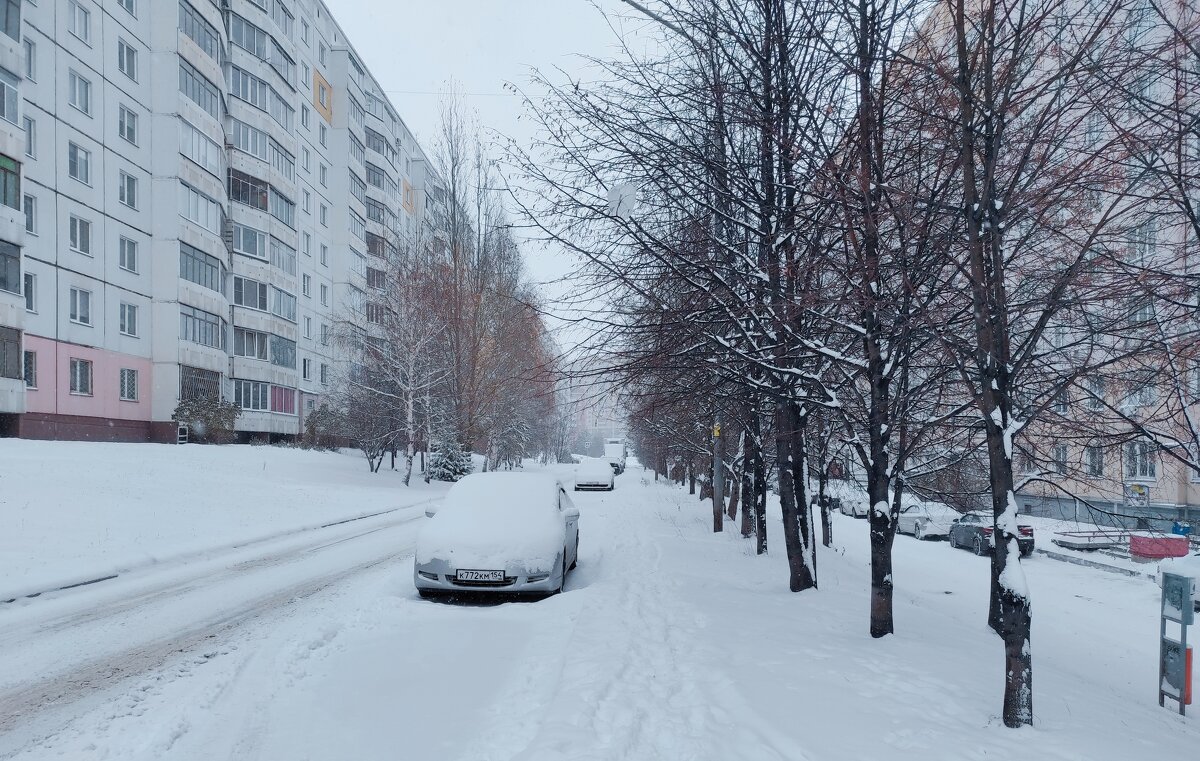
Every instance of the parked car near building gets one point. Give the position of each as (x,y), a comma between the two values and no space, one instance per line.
(973,531)
(926,520)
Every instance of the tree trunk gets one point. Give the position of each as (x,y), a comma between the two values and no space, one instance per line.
(734,495)
(759,468)
(691,476)
(800,576)
(823,503)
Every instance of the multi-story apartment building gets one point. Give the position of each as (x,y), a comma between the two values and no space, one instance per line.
(205,187)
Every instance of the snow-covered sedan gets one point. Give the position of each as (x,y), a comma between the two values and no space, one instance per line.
(973,531)
(926,520)
(594,474)
(499,532)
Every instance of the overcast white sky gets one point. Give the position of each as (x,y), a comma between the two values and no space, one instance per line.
(415,46)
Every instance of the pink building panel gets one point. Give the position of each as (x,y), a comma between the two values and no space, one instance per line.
(53,393)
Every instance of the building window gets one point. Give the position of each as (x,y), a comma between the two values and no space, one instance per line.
(195,383)
(375,313)
(204,328)
(129,314)
(200,31)
(308,327)
(10,18)
(8,96)
(201,268)
(307,202)
(30,204)
(283,352)
(250,343)
(1058,458)
(283,304)
(1139,459)
(199,208)
(10,267)
(283,400)
(198,89)
(79,92)
(283,256)
(306,368)
(249,293)
(324,254)
(1093,460)
(30,369)
(324,374)
(81,377)
(250,395)
(79,21)
(248,241)
(10,182)
(30,137)
(81,306)
(324,334)
(323,135)
(10,353)
(321,50)
(127,254)
(1095,387)
(323,173)
(307,244)
(30,292)
(375,278)
(283,209)
(129,6)
(30,55)
(324,295)
(79,163)
(304,117)
(127,190)
(81,235)
(129,385)
(306,285)
(127,122)
(324,217)
(127,59)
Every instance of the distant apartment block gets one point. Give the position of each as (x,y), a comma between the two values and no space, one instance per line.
(194,192)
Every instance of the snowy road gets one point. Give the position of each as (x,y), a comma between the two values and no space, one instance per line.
(669,643)
(61,654)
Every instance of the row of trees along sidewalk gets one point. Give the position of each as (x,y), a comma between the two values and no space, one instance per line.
(446,346)
(885,230)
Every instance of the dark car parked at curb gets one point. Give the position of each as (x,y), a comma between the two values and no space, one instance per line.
(973,531)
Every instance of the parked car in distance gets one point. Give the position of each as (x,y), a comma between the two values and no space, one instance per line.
(594,474)
(499,532)
(855,507)
(615,451)
(1185,566)
(973,531)
(926,520)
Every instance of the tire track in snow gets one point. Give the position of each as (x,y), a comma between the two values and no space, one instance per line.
(32,712)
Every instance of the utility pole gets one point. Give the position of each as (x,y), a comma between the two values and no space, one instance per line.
(718,484)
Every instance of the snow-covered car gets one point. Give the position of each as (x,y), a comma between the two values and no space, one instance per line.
(973,531)
(594,474)
(855,507)
(926,520)
(1184,566)
(499,532)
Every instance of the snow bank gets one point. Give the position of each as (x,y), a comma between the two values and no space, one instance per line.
(73,511)
(496,520)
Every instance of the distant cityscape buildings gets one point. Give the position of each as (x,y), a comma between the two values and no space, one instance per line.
(193,193)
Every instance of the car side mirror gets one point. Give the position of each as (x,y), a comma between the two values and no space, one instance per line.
(431,511)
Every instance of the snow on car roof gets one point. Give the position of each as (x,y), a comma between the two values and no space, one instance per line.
(494,520)
(594,465)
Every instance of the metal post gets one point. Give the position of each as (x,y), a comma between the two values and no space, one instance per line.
(718,485)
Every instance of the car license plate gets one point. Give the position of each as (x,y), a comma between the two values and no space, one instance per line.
(468,575)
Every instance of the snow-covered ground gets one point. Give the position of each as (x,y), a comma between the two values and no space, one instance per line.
(670,642)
